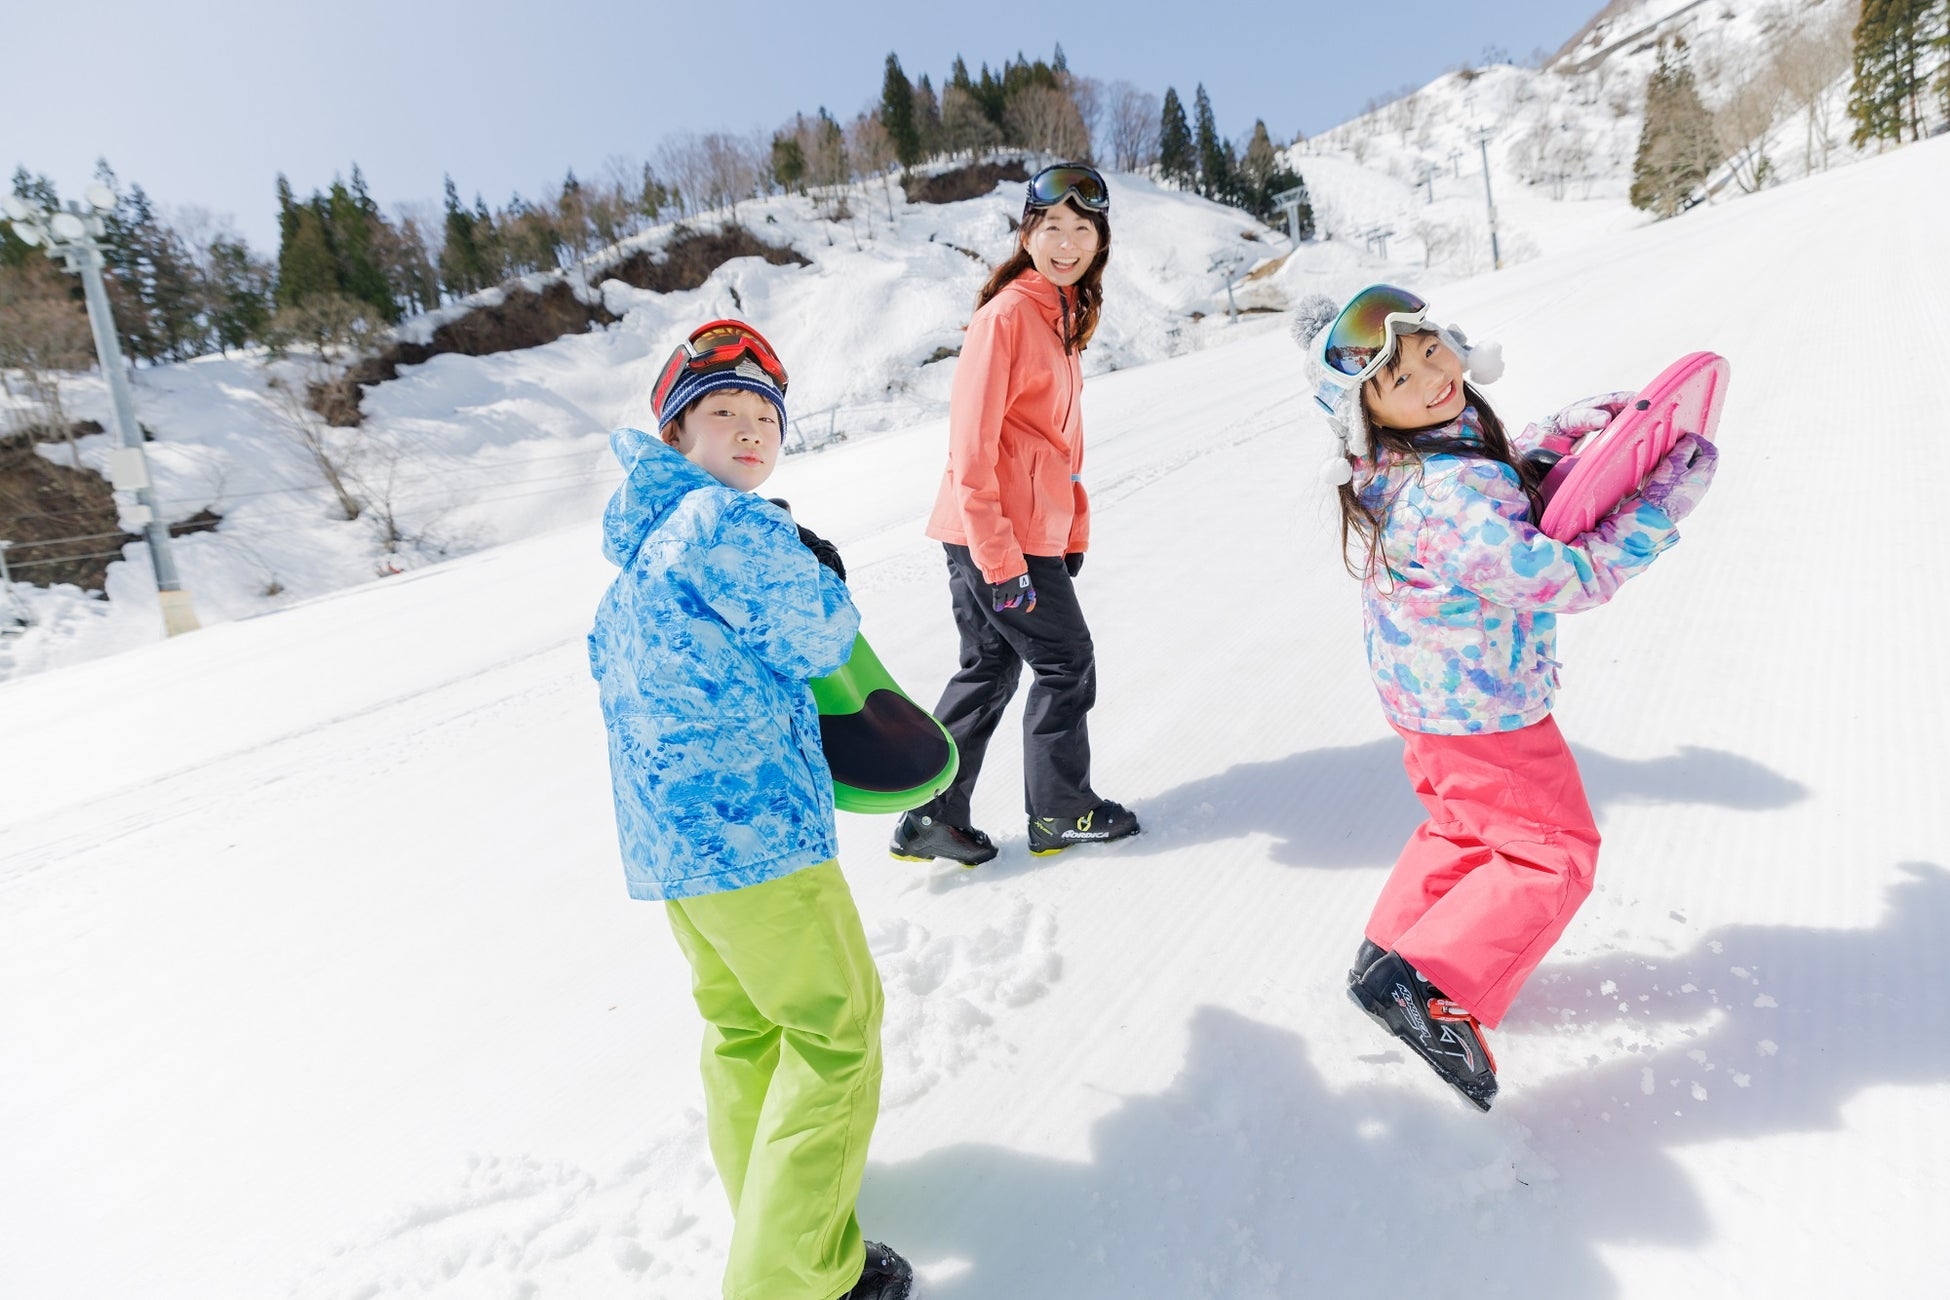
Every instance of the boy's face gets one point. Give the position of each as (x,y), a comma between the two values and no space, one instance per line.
(730,434)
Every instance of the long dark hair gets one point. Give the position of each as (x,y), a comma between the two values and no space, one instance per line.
(1089,291)
(1360,519)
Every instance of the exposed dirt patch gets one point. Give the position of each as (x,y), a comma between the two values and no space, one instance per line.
(51,512)
(688,260)
(526,319)
(62,521)
(970,182)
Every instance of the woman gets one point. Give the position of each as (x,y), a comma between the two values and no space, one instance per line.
(1015,522)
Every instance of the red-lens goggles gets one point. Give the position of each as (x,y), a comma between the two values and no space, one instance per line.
(1052,185)
(713,345)
(1362,337)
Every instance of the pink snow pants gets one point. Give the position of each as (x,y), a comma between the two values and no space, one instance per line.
(1486,885)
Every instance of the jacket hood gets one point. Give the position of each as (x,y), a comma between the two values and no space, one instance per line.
(655,479)
(1031,285)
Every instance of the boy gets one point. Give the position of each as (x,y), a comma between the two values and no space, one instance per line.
(702,649)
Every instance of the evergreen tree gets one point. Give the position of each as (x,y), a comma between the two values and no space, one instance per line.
(788,162)
(1261,158)
(355,227)
(897,113)
(927,117)
(1677,146)
(463,269)
(1214,162)
(1892,39)
(37,191)
(993,95)
(238,298)
(307,266)
(1177,162)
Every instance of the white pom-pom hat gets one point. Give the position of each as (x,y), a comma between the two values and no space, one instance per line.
(1363,333)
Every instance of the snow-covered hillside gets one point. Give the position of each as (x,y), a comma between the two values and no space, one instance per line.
(320,980)
(475,451)
(1560,140)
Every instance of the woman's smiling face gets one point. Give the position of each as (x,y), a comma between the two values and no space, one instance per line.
(1063,244)
(1420,388)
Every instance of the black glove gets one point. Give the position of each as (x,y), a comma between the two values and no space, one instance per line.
(1073,562)
(823,551)
(1015,593)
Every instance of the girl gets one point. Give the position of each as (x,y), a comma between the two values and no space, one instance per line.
(1015,522)
(1461,596)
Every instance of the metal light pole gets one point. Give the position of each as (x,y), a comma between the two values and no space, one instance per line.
(13,615)
(71,236)
(1483,142)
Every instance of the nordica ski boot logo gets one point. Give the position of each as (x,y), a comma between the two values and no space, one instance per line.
(1082,831)
(1406,1001)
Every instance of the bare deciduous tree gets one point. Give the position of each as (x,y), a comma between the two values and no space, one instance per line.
(324,333)
(1046,120)
(43,331)
(964,125)
(1132,121)
(1743,122)
(868,141)
(1811,58)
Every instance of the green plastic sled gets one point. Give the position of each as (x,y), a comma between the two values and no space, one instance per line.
(888,754)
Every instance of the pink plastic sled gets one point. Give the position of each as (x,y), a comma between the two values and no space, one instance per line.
(1607,466)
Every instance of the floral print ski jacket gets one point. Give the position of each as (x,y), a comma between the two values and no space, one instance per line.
(702,648)
(1461,617)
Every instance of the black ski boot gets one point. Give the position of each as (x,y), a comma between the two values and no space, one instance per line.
(1106,821)
(921,837)
(1397,998)
(1370,952)
(887,1276)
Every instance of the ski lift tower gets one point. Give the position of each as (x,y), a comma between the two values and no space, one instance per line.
(1482,136)
(1288,201)
(71,236)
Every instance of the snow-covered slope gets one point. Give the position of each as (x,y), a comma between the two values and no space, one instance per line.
(472,451)
(320,980)
(1559,140)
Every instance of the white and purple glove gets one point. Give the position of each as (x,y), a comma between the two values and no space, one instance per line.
(1677,483)
(1560,432)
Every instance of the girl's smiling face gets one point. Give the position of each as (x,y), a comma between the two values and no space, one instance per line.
(1422,387)
(1063,244)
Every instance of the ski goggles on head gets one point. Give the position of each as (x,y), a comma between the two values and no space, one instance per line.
(1052,185)
(1362,338)
(712,346)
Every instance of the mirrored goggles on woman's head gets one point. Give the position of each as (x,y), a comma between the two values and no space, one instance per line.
(1362,338)
(1083,185)
(713,345)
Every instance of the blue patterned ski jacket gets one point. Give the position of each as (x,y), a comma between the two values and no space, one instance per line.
(702,649)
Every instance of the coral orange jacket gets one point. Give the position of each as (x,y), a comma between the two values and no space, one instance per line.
(1013,485)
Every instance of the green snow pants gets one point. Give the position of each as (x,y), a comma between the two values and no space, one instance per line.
(792,1005)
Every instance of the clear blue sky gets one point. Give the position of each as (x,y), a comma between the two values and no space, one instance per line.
(204,102)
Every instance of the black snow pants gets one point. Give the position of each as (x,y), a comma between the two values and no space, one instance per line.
(1055,642)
